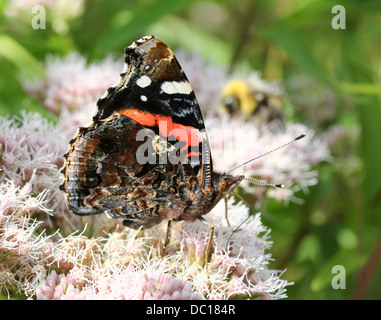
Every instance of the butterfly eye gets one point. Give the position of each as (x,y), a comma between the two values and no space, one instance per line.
(224,187)
(147,67)
(228,183)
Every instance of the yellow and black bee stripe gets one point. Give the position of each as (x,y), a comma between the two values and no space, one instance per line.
(242,98)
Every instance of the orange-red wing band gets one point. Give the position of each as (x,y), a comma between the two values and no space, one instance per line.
(167,127)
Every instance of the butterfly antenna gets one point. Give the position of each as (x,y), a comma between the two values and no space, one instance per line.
(262,183)
(271,151)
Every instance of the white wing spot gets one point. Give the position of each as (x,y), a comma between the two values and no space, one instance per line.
(173,87)
(143,81)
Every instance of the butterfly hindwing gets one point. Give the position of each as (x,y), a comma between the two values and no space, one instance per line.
(103,174)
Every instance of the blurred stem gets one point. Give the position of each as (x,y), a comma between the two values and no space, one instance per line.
(273,69)
(245,33)
(367,272)
(304,230)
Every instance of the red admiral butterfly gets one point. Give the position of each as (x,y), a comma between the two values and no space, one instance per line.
(145,157)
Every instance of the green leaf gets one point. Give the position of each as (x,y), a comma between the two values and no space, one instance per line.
(359,70)
(361,88)
(298,52)
(128,25)
(12,51)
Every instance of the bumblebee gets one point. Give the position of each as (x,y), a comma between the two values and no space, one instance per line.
(253,99)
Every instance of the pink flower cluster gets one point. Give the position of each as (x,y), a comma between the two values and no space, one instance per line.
(72,87)
(125,264)
(59,287)
(31,150)
(128,286)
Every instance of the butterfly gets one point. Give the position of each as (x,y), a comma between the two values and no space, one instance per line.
(145,157)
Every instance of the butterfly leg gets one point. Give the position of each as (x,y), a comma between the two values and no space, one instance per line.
(167,236)
(226,211)
(208,250)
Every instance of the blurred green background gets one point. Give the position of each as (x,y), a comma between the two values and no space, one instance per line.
(339,222)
